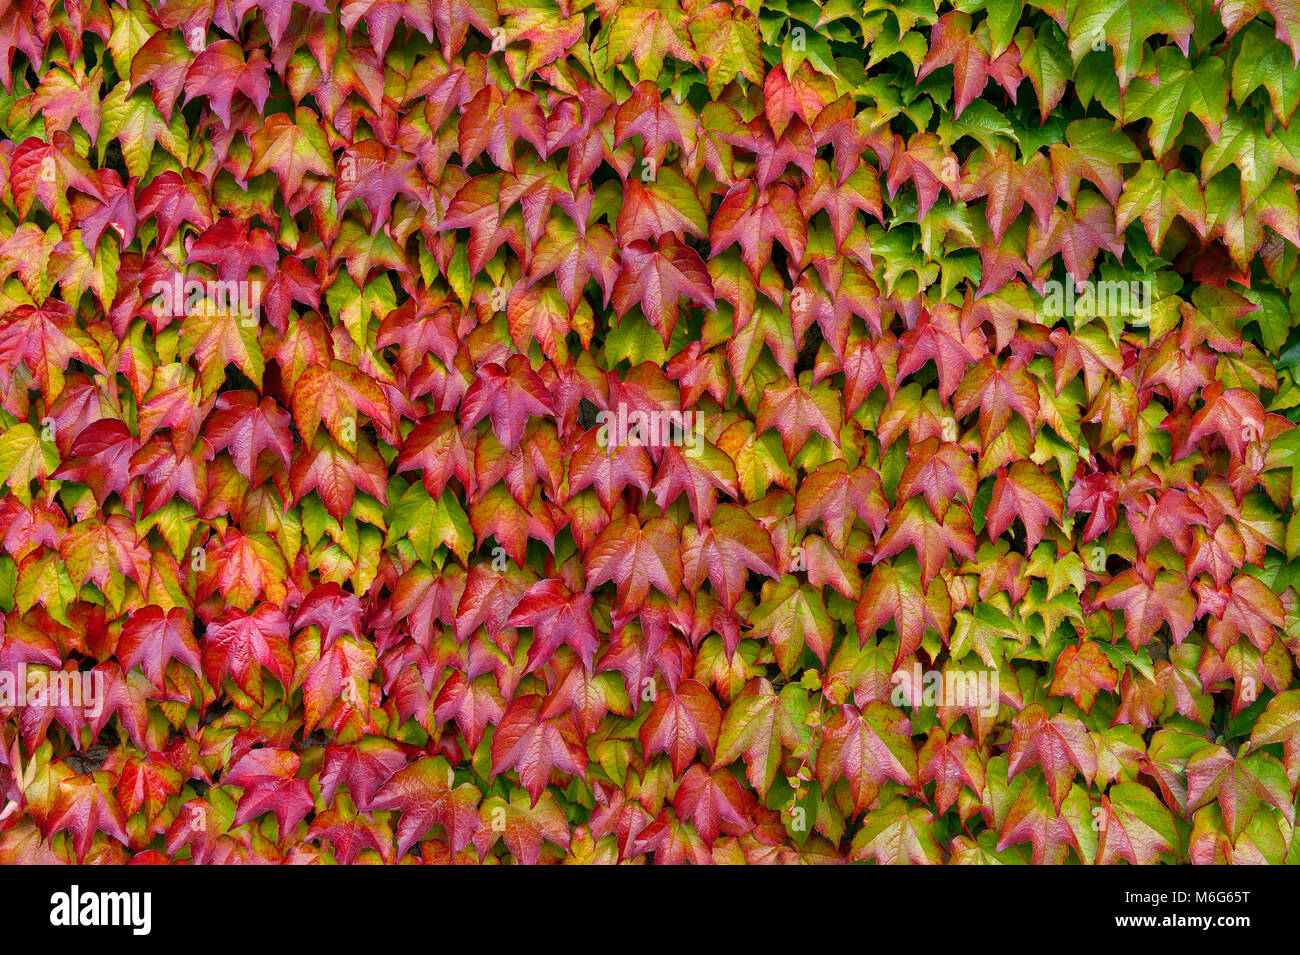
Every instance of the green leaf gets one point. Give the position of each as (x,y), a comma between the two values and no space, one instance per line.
(1178,89)
(1125,25)
(726,39)
(134,121)
(24,457)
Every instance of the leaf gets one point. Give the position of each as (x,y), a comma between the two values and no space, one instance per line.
(1135,826)
(50,171)
(722,552)
(152,638)
(1023,491)
(668,204)
(247,426)
(430,523)
(335,475)
(291,147)
(726,39)
(649,34)
(912,525)
(1081,672)
(536,747)
(267,777)
(953,42)
(350,832)
(1045,60)
(1033,817)
(135,122)
(682,723)
(334,395)
(756,218)
(796,412)
(1201,91)
(557,617)
(221,71)
(896,834)
(867,748)
(1077,236)
(105,554)
(895,593)
(1234,415)
(45,340)
(242,644)
(83,806)
(1125,27)
(523,826)
(1058,744)
(793,616)
(25,457)
(425,795)
(507,395)
(1147,606)
(950,763)
(709,801)
(1007,186)
(1157,198)
(637,557)
(757,725)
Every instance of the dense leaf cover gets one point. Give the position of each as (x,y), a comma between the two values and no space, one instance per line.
(671,431)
